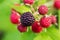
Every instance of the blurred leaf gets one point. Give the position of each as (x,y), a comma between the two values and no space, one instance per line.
(53,32)
(43,36)
(22,9)
(1,1)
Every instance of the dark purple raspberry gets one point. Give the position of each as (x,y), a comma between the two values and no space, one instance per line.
(27,19)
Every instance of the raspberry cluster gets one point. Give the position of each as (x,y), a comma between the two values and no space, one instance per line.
(28,18)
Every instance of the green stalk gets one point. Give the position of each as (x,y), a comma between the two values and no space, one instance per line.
(59,19)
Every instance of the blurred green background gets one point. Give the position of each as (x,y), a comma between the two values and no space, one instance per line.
(11,32)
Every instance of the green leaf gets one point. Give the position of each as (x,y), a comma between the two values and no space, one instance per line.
(1,1)
(43,36)
(22,9)
(53,33)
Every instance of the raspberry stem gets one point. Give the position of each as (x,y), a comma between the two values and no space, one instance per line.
(32,9)
(59,19)
(35,13)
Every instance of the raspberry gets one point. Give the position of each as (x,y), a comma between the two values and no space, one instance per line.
(57,4)
(36,27)
(42,10)
(28,1)
(45,22)
(54,19)
(15,16)
(56,0)
(27,19)
(22,28)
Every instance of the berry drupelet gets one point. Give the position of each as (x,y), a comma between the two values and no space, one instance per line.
(43,9)
(36,27)
(27,19)
(22,28)
(45,22)
(28,1)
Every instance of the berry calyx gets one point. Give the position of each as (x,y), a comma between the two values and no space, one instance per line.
(57,4)
(45,22)
(27,19)
(28,1)
(22,28)
(53,19)
(14,17)
(43,10)
(36,27)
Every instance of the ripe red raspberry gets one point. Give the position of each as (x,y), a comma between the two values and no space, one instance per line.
(22,28)
(56,0)
(36,27)
(28,1)
(57,4)
(43,10)
(54,19)
(45,22)
(14,17)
